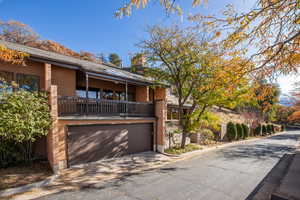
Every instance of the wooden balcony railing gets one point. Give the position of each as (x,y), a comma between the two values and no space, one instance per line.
(76,106)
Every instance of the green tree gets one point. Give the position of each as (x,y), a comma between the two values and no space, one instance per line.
(258,130)
(24,117)
(264,130)
(199,76)
(115,59)
(231,131)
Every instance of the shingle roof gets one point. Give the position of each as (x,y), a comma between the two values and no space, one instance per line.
(86,65)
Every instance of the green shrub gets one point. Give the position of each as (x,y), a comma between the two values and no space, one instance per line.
(240,131)
(264,130)
(282,127)
(273,128)
(269,129)
(231,131)
(246,130)
(24,117)
(258,130)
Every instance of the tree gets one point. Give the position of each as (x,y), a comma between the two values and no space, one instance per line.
(17,32)
(168,5)
(24,117)
(115,59)
(267,97)
(270,27)
(240,131)
(199,76)
(12,56)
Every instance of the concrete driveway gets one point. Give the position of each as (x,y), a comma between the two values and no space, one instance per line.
(229,173)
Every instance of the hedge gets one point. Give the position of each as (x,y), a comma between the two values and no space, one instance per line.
(240,131)
(246,130)
(231,131)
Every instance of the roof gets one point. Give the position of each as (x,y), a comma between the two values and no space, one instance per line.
(76,63)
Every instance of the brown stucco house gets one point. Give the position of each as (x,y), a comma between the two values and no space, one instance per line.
(98,111)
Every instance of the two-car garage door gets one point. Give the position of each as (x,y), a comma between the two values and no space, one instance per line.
(87,143)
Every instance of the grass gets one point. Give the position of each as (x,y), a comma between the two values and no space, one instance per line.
(188,148)
(24,174)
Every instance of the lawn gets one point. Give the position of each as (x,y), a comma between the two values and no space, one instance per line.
(24,174)
(188,148)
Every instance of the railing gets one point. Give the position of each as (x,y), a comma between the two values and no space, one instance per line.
(76,106)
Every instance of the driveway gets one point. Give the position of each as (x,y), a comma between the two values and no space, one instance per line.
(229,173)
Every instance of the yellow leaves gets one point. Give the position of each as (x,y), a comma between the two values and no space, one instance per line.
(12,56)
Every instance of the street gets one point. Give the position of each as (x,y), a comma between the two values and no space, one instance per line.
(230,173)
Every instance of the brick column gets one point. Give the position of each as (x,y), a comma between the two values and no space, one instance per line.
(56,137)
(161,116)
(160,93)
(47,81)
(142,94)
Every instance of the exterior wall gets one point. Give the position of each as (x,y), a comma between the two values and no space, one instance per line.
(65,79)
(31,68)
(142,93)
(160,94)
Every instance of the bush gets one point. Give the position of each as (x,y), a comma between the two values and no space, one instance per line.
(282,127)
(264,130)
(231,131)
(24,117)
(258,130)
(269,128)
(206,136)
(246,130)
(273,128)
(240,131)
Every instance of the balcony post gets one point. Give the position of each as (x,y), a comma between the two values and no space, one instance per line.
(86,92)
(126,98)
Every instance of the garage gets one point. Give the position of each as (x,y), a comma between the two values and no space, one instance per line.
(87,143)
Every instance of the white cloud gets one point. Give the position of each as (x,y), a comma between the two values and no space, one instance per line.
(286,83)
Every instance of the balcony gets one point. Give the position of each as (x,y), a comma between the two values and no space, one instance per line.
(77,106)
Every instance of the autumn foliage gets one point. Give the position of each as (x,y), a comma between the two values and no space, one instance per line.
(11,56)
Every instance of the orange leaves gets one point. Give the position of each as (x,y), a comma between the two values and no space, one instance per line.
(11,56)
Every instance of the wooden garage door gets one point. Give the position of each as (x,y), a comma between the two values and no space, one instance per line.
(94,142)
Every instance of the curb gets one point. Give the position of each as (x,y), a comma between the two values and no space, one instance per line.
(25,188)
(198,152)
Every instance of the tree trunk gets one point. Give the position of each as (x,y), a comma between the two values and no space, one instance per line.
(183,139)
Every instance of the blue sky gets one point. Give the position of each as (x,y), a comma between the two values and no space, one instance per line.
(90,24)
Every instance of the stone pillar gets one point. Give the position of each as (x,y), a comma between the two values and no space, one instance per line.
(47,81)
(55,138)
(161,116)
(142,94)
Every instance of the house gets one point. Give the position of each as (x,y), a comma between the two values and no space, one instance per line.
(98,111)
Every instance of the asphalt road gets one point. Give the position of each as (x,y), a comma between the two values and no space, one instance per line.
(230,173)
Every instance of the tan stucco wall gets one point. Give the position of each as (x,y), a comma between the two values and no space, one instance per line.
(31,68)
(65,79)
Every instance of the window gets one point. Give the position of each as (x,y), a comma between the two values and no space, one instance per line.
(108,94)
(121,96)
(28,82)
(93,93)
(173,113)
(8,77)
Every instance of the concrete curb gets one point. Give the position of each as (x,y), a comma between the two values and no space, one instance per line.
(25,188)
(198,152)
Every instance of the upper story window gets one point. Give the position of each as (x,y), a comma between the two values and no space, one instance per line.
(28,82)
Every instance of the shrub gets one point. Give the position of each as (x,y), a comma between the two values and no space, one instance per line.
(231,131)
(206,136)
(258,130)
(273,128)
(269,129)
(246,130)
(24,117)
(282,127)
(264,130)
(240,131)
